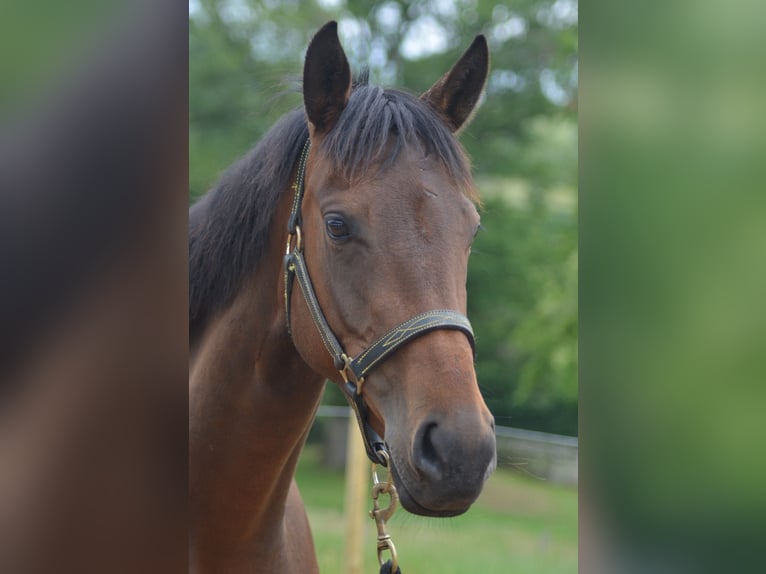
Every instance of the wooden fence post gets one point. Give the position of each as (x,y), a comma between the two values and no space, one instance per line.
(356,511)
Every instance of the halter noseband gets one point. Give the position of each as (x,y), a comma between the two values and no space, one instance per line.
(354,370)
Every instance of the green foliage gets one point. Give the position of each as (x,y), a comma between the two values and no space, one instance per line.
(523,303)
(522,286)
(40,38)
(245,65)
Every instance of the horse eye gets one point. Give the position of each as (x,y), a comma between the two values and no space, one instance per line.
(336,228)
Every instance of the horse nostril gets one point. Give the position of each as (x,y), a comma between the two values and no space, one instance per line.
(458,450)
(426,453)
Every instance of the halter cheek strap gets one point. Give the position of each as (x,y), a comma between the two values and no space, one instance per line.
(355,370)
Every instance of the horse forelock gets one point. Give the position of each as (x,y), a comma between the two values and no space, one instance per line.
(378,123)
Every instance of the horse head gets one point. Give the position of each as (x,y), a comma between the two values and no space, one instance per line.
(387,217)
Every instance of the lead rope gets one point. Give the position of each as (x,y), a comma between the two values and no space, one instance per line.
(382,515)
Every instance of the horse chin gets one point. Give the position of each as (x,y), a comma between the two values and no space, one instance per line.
(410,503)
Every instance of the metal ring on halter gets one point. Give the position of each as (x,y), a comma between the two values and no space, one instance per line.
(348,373)
(298,240)
(375,480)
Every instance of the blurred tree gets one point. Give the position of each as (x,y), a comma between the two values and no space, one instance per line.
(241,52)
(245,65)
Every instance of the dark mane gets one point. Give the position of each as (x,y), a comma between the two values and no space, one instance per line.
(228,227)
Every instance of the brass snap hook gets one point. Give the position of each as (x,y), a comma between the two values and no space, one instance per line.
(382,515)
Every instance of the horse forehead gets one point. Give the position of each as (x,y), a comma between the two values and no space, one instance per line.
(413,169)
(414,184)
(420,184)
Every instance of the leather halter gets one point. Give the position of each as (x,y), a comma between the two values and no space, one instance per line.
(355,370)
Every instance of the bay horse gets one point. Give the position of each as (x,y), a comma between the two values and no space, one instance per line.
(373,195)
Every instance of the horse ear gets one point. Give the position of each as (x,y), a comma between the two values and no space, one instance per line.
(455,94)
(326,79)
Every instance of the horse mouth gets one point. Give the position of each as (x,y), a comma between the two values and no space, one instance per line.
(410,503)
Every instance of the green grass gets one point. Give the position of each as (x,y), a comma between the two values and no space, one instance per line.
(518,525)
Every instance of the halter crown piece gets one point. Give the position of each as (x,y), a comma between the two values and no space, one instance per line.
(354,370)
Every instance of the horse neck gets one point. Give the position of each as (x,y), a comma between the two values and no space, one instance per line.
(251,403)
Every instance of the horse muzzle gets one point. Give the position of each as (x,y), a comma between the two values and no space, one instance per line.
(447,463)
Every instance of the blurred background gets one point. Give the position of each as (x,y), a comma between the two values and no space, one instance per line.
(672,241)
(245,64)
(93,286)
